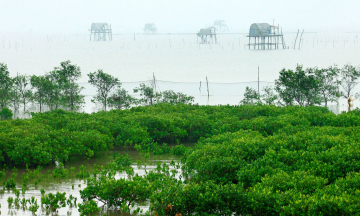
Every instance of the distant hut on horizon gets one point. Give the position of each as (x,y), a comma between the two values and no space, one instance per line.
(265,36)
(207,35)
(150,28)
(221,26)
(101,31)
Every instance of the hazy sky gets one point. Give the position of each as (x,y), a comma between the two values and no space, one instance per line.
(125,16)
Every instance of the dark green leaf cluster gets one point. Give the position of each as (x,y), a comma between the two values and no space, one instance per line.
(172,97)
(251,96)
(50,137)
(249,160)
(53,202)
(5,114)
(59,135)
(313,86)
(179,150)
(88,208)
(6,83)
(60,171)
(305,163)
(119,193)
(58,88)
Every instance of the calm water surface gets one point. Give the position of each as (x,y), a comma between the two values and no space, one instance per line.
(65,185)
(178,60)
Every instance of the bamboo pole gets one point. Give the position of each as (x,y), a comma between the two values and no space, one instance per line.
(300,38)
(296,38)
(207,83)
(258,82)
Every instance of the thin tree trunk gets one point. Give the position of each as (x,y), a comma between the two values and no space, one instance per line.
(105,104)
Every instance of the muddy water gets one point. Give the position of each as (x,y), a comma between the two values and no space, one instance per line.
(72,185)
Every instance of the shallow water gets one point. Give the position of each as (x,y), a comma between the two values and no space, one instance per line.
(65,184)
(178,62)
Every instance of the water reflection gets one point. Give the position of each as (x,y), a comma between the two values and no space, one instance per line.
(72,185)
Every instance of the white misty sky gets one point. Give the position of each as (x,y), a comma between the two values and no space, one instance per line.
(125,16)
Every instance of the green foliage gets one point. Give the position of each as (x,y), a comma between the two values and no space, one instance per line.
(205,199)
(298,86)
(174,98)
(248,160)
(349,76)
(251,96)
(23,202)
(53,90)
(149,95)
(6,84)
(16,192)
(42,191)
(33,206)
(121,99)
(5,114)
(104,83)
(290,171)
(71,201)
(178,150)
(54,202)
(60,87)
(88,208)
(268,96)
(151,146)
(66,76)
(60,171)
(42,141)
(22,83)
(10,201)
(83,173)
(121,162)
(43,90)
(72,169)
(59,135)
(328,83)
(25,179)
(10,183)
(120,193)
(14,94)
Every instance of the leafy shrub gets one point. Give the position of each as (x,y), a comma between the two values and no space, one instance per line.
(88,208)
(33,205)
(178,150)
(53,202)
(5,113)
(60,171)
(82,172)
(10,183)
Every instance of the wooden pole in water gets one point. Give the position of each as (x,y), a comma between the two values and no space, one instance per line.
(207,83)
(300,38)
(154,82)
(296,38)
(258,82)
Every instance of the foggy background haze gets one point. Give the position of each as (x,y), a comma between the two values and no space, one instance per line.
(176,16)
